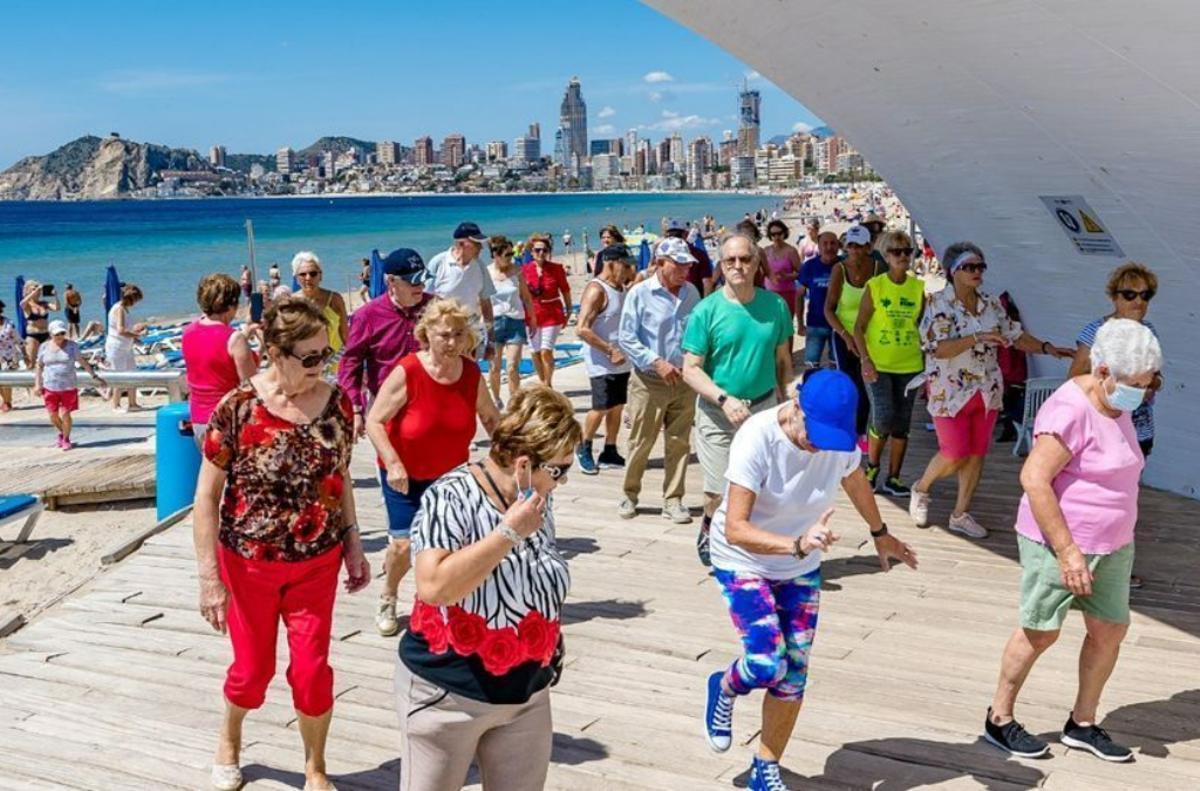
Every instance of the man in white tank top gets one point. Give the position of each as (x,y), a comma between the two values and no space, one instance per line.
(599,317)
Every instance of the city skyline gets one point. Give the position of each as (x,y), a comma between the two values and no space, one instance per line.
(290,85)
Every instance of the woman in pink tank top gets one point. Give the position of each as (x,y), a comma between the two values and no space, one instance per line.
(217,356)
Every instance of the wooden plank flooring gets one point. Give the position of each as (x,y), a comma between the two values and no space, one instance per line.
(119,686)
(83,481)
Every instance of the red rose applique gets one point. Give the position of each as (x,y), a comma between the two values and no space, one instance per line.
(538,636)
(435,632)
(467,631)
(501,651)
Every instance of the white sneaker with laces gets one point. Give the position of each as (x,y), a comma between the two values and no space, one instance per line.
(226,777)
(385,617)
(918,507)
(627,509)
(677,512)
(965,524)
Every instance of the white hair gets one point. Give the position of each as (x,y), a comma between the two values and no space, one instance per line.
(1128,348)
(304,257)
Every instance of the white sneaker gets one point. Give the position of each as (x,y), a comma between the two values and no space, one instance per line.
(385,617)
(226,777)
(676,512)
(918,507)
(967,526)
(627,509)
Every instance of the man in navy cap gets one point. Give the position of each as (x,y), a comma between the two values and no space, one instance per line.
(456,274)
(785,467)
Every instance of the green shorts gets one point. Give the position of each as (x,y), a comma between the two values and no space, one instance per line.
(1044,600)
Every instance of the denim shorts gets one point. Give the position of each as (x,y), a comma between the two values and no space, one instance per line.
(508,330)
(401,508)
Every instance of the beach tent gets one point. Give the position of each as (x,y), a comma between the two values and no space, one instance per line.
(643,255)
(18,311)
(377,285)
(112,288)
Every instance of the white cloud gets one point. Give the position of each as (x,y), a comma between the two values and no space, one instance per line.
(656,96)
(603,129)
(753,75)
(673,122)
(138,83)
(669,114)
(606,112)
(800,126)
(658,76)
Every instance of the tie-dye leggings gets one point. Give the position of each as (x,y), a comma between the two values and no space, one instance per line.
(776,620)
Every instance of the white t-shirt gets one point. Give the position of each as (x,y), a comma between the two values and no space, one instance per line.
(468,284)
(58,366)
(792,486)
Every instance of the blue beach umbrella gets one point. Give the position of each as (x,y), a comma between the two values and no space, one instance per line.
(643,255)
(112,288)
(18,313)
(377,285)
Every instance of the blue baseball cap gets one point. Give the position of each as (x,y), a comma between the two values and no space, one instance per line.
(405,264)
(829,401)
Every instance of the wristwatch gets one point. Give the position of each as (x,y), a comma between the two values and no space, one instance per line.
(721,399)
(881,532)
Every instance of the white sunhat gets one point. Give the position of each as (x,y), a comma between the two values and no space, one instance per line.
(858,234)
(675,249)
(58,327)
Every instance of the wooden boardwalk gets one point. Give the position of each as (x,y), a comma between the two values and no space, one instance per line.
(83,480)
(119,687)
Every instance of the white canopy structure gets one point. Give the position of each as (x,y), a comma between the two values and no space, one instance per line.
(977,111)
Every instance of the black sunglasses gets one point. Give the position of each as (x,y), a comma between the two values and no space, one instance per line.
(974,268)
(540,249)
(1129,294)
(312,359)
(308,274)
(555,471)
(901,251)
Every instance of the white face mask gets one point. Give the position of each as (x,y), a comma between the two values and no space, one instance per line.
(1125,397)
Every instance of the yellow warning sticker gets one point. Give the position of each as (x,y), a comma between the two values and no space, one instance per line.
(1089,224)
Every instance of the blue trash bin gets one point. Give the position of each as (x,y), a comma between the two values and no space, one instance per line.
(176,459)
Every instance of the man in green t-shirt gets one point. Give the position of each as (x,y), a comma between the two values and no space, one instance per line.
(736,358)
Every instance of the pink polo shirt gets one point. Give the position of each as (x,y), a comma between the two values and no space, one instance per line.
(1098,489)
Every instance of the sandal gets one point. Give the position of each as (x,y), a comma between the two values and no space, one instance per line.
(226,777)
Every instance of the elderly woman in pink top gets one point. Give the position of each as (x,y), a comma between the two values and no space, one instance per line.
(217,356)
(1075,534)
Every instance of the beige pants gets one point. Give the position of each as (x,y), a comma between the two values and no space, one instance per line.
(657,406)
(714,435)
(442,732)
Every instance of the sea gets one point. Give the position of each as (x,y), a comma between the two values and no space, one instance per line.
(166,246)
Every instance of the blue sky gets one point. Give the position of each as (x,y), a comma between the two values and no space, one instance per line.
(255,76)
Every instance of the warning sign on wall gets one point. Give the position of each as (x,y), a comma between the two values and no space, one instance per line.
(1082,225)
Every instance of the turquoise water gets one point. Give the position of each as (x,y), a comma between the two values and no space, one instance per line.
(166,246)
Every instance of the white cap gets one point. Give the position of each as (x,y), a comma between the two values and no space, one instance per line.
(58,327)
(675,249)
(676,225)
(857,234)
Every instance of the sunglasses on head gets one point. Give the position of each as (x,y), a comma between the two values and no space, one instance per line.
(974,268)
(312,359)
(1129,294)
(901,251)
(555,471)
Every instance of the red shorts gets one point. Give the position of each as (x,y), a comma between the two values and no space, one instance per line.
(60,400)
(969,433)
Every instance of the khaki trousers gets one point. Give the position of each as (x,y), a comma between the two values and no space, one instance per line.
(714,435)
(656,406)
(442,732)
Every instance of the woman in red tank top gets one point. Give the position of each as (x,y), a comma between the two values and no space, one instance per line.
(551,294)
(421,424)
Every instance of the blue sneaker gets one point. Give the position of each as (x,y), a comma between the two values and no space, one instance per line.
(764,776)
(587,464)
(718,715)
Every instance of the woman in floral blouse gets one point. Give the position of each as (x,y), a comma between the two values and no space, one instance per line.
(960,332)
(274,519)
(478,658)
(12,356)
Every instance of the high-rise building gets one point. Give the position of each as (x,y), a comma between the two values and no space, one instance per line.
(699,161)
(527,149)
(606,146)
(285,159)
(749,107)
(606,170)
(454,150)
(727,150)
(216,156)
(677,154)
(329,164)
(631,142)
(535,131)
(388,152)
(643,161)
(664,152)
(497,150)
(741,171)
(423,151)
(572,125)
(825,154)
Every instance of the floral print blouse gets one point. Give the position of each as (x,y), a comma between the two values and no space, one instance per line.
(283,495)
(955,381)
(11,355)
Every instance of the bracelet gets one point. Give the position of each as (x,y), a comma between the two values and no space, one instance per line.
(797,550)
(512,536)
(1044,344)
(350,528)
(881,532)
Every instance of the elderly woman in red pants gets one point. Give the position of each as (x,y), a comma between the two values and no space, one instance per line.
(274,520)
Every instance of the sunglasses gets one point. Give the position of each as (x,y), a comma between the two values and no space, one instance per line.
(974,268)
(900,251)
(312,359)
(555,471)
(1129,294)
(308,274)
(540,249)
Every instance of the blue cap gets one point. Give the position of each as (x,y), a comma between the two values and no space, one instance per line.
(829,401)
(469,230)
(405,264)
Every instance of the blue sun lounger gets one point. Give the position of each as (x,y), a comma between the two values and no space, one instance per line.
(20,508)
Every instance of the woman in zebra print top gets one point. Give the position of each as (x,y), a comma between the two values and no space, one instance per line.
(480,653)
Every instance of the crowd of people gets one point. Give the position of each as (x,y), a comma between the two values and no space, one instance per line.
(697,351)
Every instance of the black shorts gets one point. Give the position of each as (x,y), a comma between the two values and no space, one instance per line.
(610,390)
(1147,445)
(72,316)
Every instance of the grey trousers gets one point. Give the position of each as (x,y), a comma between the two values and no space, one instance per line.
(442,733)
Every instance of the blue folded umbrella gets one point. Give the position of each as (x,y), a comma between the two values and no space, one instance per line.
(112,288)
(18,312)
(378,284)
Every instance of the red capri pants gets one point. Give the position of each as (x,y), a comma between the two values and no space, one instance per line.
(969,433)
(301,593)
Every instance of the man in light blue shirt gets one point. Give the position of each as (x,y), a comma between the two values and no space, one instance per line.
(653,320)
(458,274)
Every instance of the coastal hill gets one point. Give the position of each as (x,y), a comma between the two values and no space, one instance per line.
(338,145)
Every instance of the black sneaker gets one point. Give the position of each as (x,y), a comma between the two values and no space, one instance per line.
(894,487)
(609,459)
(872,472)
(702,546)
(1013,738)
(1094,739)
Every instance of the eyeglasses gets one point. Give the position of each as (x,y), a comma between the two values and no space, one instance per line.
(900,251)
(974,268)
(1129,294)
(540,249)
(308,274)
(555,471)
(312,359)
(738,259)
